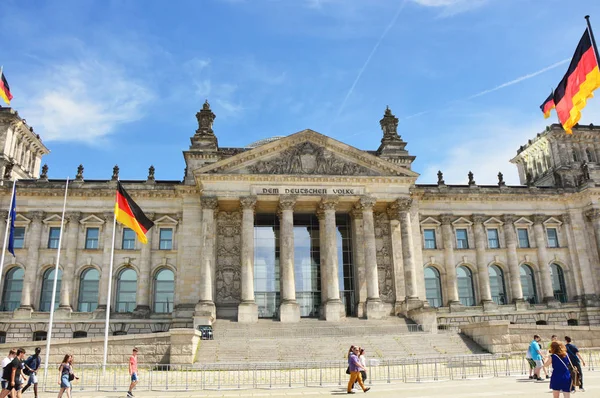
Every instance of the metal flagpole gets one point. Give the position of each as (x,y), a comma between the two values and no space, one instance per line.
(108,297)
(56,268)
(8,218)
(591,33)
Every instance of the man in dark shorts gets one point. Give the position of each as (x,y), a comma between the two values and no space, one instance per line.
(32,364)
(576,360)
(12,373)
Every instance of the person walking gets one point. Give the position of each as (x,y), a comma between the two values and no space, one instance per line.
(576,360)
(66,375)
(12,375)
(11,355)
(133,371)
(561,376)
(32,364)
(363,362)
(355,367)
(535,350)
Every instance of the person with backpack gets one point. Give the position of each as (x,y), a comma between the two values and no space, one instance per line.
(576,360)
(32,364)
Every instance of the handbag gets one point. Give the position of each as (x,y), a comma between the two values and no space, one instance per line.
(71,376)
(348,370)
(573,372)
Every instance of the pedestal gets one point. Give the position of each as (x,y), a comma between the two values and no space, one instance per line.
(334,310)
(23,313)
(456,306)
(521,305)
(551,302)
(247,312)
(289,312)
(489,306)
(63,312)
(204,313)
(141,311)
(411,303)
(375,310)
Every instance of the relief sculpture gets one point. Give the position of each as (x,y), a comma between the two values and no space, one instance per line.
(384,258)
(308,158)
(228,272)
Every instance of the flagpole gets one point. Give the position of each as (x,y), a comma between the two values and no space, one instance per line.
(108,297)
(8,219)
(56,269)
(591,33)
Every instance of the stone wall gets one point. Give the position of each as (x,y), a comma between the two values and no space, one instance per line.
(502,337)
(176,346)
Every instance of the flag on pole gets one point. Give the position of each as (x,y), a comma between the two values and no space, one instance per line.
(128,213)
(578,84)
(4,88)
(12,216)
(548,105)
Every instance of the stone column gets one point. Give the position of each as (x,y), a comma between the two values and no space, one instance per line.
(33,241)
(71,235)
(144,283)
(334,308)
(107,244)
(450,263)
(542,254)
(358,247)
(205,308)
(289,311)
(374,308)
(482,267)
(396,257)
(247,309)
(510,237)
(323,255)
(589,296)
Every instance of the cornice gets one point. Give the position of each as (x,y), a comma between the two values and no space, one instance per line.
(282,178)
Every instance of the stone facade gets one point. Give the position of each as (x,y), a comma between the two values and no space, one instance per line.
(379,244)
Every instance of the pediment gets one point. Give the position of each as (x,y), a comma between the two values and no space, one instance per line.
(462,221)
(166,220)
(53,219)
(552,221)
(21,219)
(493,221)
(91,219)
(307,153)
(523,221)
(430,221)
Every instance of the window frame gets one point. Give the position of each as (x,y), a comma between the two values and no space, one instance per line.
(88,239)
(548,240)
(17,239)
(466,238)
(91,306)
(50,285)
(487,233)
(51,239)
(161,240)
(526,230)
(155,292)
(119,291)
(123,239)
(425,240)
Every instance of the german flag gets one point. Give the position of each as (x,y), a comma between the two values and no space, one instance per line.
(578,84)
(129,214)
(548,105)
(4,88)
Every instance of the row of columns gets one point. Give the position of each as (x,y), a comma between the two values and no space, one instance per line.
(333,308)
(511,254)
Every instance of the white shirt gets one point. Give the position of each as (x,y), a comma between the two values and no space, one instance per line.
(5,362)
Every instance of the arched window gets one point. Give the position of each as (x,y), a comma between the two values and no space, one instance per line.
(164,287)
(13,285)
(466,293)
(528,284)
(558,283)
(497,286)
(88,290)
(433,287)
(47,284)
(590,155)
(126,291)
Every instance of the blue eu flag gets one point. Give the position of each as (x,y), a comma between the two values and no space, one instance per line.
(13,216)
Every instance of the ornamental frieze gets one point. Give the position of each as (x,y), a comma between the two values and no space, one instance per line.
(228,269)
(384,257)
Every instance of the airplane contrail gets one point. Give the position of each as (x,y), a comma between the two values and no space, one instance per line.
(491,90)
(361,71)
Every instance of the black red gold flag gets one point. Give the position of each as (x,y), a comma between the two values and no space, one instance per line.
(5,88)
(578,84)
(129,214)
(548,105)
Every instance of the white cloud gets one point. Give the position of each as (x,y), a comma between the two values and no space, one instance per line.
(84,101)
(451,7)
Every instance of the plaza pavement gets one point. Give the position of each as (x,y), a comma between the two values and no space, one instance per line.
(516,387)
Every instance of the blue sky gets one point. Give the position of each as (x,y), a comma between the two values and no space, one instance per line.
(119,81)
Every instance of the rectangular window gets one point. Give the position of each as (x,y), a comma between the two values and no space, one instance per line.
(53,237)
(19,241)
(91,238)
(493,241)
(166,239)
(128,239)
(552,237)
(523,238)
(429,235)
(461,239)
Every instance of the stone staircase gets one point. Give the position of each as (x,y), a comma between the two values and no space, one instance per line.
(314,340)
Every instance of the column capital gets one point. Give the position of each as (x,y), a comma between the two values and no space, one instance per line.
(509,218)
(209,202)
(328,202)
(403,204)
(367,202)
(108,216)
(447,218)
(36,216)
(539,218)
(73,216)
(593,214)
(151,215)
(248,202)
(566,218)
(287,202)
(356,212)
(3,215)
(478,218)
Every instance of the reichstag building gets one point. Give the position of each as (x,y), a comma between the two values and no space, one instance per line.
(304,226)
